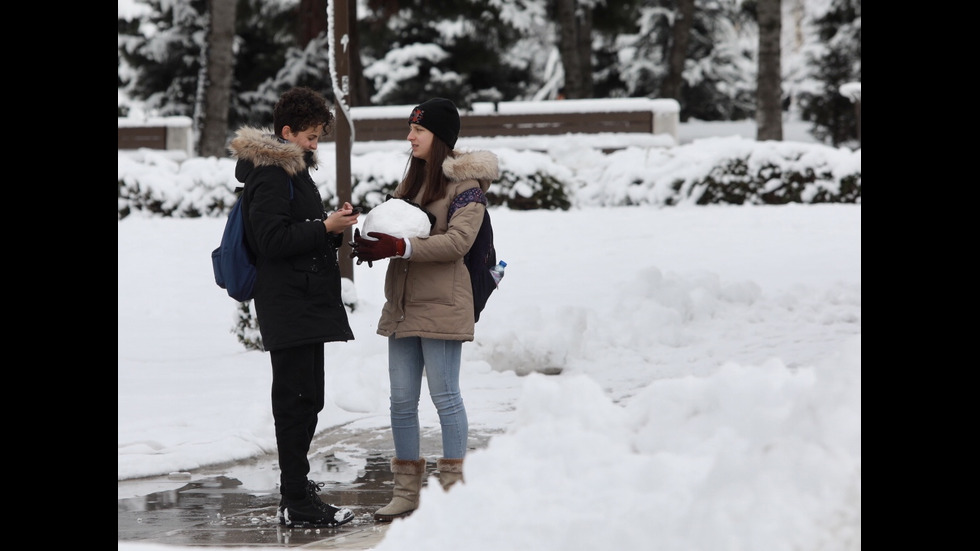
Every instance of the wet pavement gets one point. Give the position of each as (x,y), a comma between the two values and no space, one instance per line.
(234,505)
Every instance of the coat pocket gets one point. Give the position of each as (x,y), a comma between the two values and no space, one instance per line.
(432,283)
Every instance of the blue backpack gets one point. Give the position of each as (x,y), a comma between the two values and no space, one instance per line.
(233,262)
(482,255)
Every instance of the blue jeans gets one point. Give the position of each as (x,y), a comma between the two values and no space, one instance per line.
(406,358)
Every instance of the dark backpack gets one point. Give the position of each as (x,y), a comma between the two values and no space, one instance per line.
(233,262)
(482,255)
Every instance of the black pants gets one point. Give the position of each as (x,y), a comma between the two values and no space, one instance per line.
(297,398)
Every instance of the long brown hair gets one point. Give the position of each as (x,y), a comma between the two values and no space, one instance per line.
(420,174)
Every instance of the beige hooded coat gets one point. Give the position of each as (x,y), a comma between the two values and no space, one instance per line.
(429,295)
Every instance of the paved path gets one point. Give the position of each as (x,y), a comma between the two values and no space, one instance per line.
(212,507)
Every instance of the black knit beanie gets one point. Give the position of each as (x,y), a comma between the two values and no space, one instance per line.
(439,116)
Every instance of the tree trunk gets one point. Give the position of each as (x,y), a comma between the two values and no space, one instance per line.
(312,20)
(680,36)
(575,46)
(220,67)
(358,86)
(768,94)
(584,45)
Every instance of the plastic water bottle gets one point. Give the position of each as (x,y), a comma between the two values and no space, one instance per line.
(497,272)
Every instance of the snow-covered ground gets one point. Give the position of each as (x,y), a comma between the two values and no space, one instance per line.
(709,395)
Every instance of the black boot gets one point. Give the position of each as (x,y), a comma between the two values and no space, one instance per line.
(311,512)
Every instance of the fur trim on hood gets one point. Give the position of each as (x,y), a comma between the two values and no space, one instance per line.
(475,165)
(261,147)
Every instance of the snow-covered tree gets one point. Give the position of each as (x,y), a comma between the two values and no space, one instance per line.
(835,56)
(162,44)
(413,49)
(161,49)
(499,50)
(719,66)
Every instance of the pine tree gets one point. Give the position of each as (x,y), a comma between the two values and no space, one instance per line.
(717,77)
(414,49)
(495,50)
(163,52)
(160,54)
(837,58)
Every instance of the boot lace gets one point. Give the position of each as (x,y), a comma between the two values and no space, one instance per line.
(314,488)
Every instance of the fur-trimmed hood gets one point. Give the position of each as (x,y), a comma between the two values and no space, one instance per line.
(261,147)
(475,165)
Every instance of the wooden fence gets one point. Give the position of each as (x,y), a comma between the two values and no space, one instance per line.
(532,118)
(589,116)
(173,133)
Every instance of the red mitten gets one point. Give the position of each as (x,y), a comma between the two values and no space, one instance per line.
(383,246)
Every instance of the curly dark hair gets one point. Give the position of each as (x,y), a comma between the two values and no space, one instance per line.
(301,108)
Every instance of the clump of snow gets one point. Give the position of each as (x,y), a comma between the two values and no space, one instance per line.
(396,217)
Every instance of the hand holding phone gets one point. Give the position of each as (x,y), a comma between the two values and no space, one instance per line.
(357,210)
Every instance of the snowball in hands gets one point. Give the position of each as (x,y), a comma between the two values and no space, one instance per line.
(397,218)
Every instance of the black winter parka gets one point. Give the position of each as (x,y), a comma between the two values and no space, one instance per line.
(297,286)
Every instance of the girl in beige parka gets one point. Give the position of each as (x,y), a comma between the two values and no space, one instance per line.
(428,311)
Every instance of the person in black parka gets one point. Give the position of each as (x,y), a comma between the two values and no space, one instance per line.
(298,302)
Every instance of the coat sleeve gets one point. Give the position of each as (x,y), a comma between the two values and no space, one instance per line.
(455,242)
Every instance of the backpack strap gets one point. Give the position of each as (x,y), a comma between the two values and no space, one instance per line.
(472,195)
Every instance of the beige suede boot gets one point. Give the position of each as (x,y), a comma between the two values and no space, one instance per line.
(450,471)
(408,482)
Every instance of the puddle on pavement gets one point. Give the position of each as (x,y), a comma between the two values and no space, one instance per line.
(219,511)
